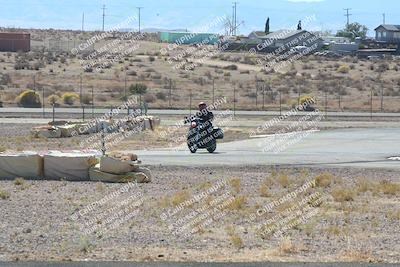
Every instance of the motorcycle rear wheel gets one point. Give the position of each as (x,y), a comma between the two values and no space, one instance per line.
(212,148)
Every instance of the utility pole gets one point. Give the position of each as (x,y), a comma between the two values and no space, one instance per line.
(371,106)
(43,102)
(83,21)
(190,102)
(384,18)
(92,103)
(80,89)
(34,82)
(235,18)
(125,87)
(104,14)
(170,93)
(326,103)
(234,100)
(139,8)
(347,15)
(213,92)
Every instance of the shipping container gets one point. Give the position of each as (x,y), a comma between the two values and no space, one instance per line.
(14,42)
(188,38)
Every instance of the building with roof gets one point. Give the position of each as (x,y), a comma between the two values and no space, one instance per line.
(388,33)
(282,39)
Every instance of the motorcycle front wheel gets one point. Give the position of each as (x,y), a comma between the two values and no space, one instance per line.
(192,148)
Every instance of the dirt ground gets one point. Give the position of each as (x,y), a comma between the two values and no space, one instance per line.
(207,214)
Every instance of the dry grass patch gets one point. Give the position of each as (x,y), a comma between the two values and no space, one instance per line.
(286,246)
(21,183)
(4,194)
(363,185)
(389,188)
(283,180)
(333,230)
(265,191)
(180,197)
(342,194)
(324,179)
(238,203)
(236,240)
(236,185)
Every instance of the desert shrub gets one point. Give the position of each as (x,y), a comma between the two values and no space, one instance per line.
(131,73)
(343,194)
(88,69)
(161,96)
(101,98)
(29,99)
(5,79)
(150,98)
(383,67)
(69,98)
(53,99)
(156,76)
(324,179)
(86,99)
(389,188)
(308,99)
(343,69)
(231,67)
(4,194)
(138,89)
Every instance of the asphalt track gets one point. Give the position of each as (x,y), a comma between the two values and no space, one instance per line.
(366,148)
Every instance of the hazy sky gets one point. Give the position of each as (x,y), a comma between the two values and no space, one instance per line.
(195,14)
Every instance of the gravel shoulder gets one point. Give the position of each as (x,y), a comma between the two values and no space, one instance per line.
(357,218)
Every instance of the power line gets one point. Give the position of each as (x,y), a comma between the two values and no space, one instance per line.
(347,15)
(104,14)
(139,8)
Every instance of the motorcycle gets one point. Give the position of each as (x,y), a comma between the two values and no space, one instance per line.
(203,135)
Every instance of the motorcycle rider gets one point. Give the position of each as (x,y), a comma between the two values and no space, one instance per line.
(204,113)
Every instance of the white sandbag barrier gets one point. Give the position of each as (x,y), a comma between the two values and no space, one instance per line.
(120,168)
(73,165)
(70,165)
(69,129)
(116,166)
(97,175)
(27,165)
(46,131)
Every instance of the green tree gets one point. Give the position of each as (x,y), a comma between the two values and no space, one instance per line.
(353,30)
(138,89)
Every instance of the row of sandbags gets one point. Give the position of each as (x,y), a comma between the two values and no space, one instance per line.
(69,129)
(72,166)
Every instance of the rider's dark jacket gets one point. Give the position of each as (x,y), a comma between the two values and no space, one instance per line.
(205,115)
